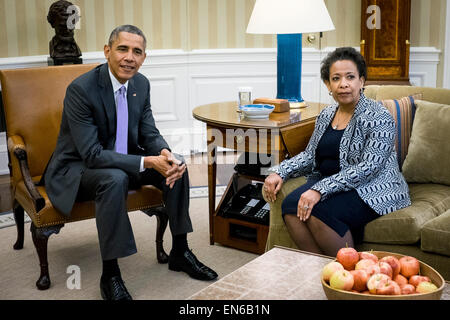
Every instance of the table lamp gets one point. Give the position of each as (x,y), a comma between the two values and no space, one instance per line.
(289,19)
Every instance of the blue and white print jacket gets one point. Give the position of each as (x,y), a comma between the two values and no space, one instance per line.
(367,159)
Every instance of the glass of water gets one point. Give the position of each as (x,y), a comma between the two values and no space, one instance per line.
(244,96)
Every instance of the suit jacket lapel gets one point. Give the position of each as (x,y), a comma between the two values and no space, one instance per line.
(133,113)
(107,95)
(349,132)
(326,120)
(131,98)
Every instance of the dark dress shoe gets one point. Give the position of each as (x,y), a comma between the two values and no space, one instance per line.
(189,263)
(114,289)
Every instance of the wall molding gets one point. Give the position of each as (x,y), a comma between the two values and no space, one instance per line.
(182,80)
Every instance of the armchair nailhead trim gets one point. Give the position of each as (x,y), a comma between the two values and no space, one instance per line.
(64,221)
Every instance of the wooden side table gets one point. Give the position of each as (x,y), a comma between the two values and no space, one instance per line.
(282,135)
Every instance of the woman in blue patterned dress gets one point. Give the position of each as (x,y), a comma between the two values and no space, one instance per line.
(350,164)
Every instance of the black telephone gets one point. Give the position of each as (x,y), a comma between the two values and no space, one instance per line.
(248,204)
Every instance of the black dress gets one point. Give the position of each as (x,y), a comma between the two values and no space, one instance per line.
(342,211)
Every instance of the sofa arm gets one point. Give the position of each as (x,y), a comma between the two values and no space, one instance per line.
(16,146)
(278,234)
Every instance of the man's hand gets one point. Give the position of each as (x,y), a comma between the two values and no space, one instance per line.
(272,185)
(178,168)
(169,166)
(159,163)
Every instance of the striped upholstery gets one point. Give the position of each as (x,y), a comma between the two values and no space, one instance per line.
(402,110)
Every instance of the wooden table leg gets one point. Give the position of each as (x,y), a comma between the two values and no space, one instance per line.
(212,172)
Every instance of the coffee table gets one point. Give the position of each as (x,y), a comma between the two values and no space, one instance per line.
(279,274)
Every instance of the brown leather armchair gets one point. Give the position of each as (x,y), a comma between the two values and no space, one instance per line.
(33,103)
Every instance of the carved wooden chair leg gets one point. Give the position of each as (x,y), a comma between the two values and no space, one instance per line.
(19,218)
(162,220)
(40,239)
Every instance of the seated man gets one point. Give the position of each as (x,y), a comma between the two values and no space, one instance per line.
(107,144)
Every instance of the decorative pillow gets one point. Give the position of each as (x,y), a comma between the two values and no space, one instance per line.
(428,156)
(402,110)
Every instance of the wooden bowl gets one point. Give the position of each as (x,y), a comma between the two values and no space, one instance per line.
(425,270)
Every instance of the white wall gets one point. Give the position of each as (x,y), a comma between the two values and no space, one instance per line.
(182,80)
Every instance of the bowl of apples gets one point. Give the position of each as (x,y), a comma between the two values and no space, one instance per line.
(380,275)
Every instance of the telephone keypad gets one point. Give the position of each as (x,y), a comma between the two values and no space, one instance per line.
(249,205)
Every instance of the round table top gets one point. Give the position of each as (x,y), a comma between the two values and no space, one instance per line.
(228,114)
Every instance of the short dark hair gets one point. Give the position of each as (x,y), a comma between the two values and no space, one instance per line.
(344,53)
(126,28)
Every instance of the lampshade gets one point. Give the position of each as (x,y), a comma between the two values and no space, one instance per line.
(289,19)
(289,16)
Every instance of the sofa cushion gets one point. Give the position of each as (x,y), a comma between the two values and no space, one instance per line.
(402,110)
(382,92)
(435,236)
(429,149)
(370,91)
(404,226)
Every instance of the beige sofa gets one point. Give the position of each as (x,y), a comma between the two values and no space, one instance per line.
(422,229)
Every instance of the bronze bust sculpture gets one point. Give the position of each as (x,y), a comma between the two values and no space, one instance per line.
(63,48)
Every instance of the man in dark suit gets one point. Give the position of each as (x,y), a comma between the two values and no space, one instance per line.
(108,142)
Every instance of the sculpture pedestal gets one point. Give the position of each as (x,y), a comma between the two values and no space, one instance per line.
(64,61)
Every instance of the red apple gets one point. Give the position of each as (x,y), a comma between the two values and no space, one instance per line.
(368,255)
(408,289)
(416,279)
(426,287)
(385,268)
(360,278)
(394,263)
(342,280)
(329,269)
(374,269)
(375,281)
(409,266)
(401,280)
(364,264)
(390,287)
(348,257)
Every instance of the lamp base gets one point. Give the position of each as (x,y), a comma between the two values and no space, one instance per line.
(289,68)
(297,105)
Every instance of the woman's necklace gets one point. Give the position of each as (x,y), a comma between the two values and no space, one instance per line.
(337,121)
(336,125)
